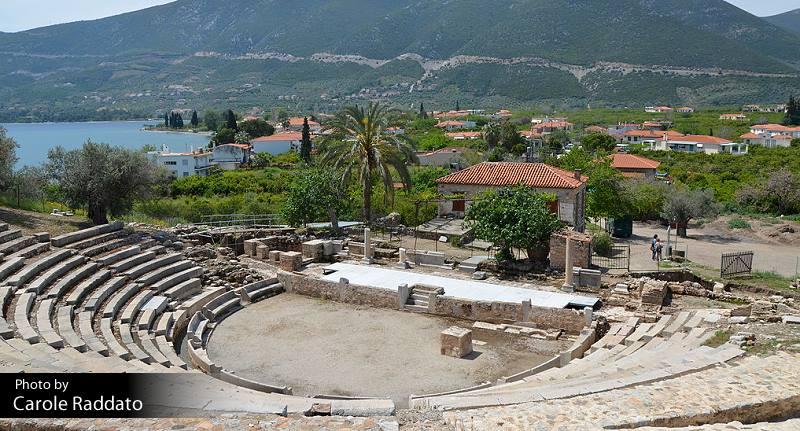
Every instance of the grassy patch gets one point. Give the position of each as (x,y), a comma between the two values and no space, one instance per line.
(720,337)
(738,223)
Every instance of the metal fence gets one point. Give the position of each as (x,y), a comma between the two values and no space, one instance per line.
(738,263)
(243,220)
(618,258)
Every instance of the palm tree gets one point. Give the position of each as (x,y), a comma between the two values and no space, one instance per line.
(356,144)
(491,134)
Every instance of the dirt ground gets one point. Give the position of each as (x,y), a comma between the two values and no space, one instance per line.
(322,347)
(33,222)
(773,250)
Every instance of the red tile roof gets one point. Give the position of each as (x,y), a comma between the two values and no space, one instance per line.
(451,150)
(449,123)
(242,146)
(298,121)
(750,136)
(631,161)
(537,175)
(703,139)
(654,134)
(284,136)
(463,135)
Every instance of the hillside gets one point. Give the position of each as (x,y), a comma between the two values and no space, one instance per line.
(789,21)
(321,53)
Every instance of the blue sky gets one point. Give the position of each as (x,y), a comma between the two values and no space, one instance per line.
(17,15)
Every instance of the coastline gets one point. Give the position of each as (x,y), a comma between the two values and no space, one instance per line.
(178,132)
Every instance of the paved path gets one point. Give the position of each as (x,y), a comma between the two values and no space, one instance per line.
(467,289)
(707,250)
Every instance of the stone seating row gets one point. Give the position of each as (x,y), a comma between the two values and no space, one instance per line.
(24,247)
(74,237)
(35,268)
(46,278)
(70,280)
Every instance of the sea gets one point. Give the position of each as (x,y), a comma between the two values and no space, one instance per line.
(35,139)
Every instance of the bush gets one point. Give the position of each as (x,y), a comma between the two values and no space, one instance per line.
(602,244)
(738,223)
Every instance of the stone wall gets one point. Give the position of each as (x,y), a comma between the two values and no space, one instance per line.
(581,250)
(340,292)
(571,321)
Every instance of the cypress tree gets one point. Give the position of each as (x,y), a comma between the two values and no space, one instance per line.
(230,119)
(166,119)
(194,121)
(305,143)
(458,106)
(422,113)
(792,117)
(178,121)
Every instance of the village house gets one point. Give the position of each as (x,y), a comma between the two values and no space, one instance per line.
(766,108)
(449,157)
(647,136)
(456,124)
(733,117)
(684,110)
(452,114)
(500,115)
(657,109)
(568,187)
(230,156)
(395,131)
(296,124)
(766,140)
(464,136)
(633,166)
(278,143)
(775,129)
(181,165)
(700,144)
(548,127)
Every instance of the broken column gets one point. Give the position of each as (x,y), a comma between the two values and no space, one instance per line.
(291,260)
(569,283)
(403,261)
(367,247)
(456,342)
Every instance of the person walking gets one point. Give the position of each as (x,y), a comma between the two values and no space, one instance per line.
(653,244)
(659,249)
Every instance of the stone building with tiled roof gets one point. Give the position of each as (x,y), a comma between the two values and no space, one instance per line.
(568,187)
(633,166)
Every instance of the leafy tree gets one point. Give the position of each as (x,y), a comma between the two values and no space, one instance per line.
(31,183)
(224,136)
(424,178)
(683,205)
(211,119)
(795,143)
(257,128)
(305,142)
(314,195)
(261,160)
(194,121)
(149,148)
(358,146)
(8,158)
(103,179)
(792,117)
(556,141)
(780,194)
(509,136)
(230,120)
(595,142)
(605,191)
(434,140)
(576,158)
(242,137)
(645,198)
(491,134)
(178,121)
(514,217)
(496,155)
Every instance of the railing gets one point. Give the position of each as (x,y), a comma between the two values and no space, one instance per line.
(619,257)
(240,220)
(737,263)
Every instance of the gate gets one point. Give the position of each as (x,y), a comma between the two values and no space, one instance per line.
(738,263)
(618,258)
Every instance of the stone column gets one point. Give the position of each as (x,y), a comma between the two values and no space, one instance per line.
(588,312)
(402,263)
(569,283)
(367,247)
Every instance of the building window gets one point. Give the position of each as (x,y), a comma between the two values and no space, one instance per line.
(185,162)
(185,174)
(459,205)
(171,163)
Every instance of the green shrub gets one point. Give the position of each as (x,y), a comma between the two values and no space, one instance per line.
(602,244)
(738,223)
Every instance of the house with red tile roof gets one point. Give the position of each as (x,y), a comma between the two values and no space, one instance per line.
(633,166)
(733,117)
(186,164)
(549,127)
(464,136)
(456,124)
(568,187)
(775,129)
(278,143)
(701,144)
(766,140)
(296,124)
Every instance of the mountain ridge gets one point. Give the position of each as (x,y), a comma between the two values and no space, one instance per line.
(789,21)
(330,52)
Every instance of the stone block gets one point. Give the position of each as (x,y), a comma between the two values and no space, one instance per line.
(654,292)
(291,260)
(456,342)
(250,247)
(587,277)
(314,250)
(581,250)
(791,319)
(42,237)
(744,310)
(275,256)
(262,252)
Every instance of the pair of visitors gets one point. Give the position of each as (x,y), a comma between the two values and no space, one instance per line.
(656,247)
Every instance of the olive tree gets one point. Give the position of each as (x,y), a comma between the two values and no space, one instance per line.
(514,217)
(683,205)
(103,179)
(313,195)
(8,158)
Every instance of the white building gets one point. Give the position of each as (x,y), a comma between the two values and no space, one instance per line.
(182,165)
(230,156)
(775,129)
(700,144)
(278,143)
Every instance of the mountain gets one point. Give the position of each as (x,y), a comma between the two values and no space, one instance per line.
(318,54)
(789,21)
